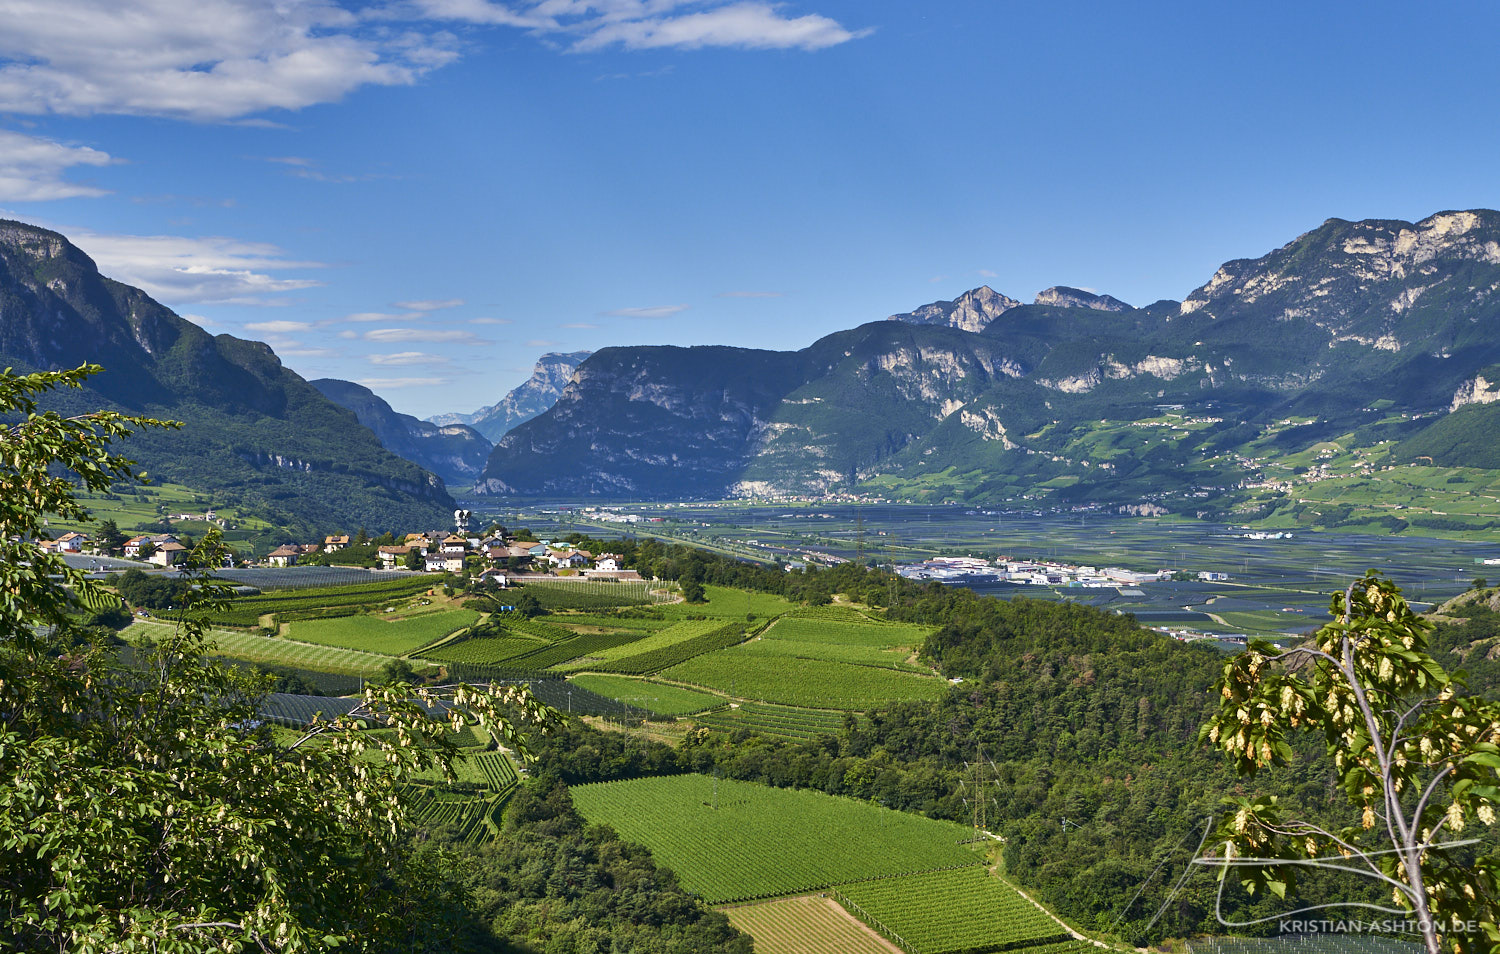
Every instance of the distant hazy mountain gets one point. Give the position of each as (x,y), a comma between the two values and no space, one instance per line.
(538,393)
(455,452)
(256,433)
(1384,334)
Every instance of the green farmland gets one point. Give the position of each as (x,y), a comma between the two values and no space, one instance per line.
(947,912)
(396,637)
(660,699)
(731,841)
(276,651)
(793,681)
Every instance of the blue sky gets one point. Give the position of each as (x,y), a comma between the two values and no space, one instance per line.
(426,195)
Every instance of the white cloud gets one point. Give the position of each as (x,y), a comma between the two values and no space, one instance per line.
(378,384)
(431,304)
(278,327)
(659,311)
(750,294)
(298,352)
(235,60)
(649,24)
(579,324)
(202,322)
(31,169)
(364,316)
(209,60)
(179,270)
(406,358)
(541,343)
(490,321)
(752,25)
(986,273)
(423,335)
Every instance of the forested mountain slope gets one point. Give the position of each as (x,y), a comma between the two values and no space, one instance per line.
(255,432)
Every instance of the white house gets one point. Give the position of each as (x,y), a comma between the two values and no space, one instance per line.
(284,556)
(391,556)
(169,553)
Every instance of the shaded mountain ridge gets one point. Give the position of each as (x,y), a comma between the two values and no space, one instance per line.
(256,433)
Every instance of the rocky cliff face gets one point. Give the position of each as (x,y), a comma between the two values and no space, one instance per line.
(455,452)
(1061,296)
(536,394)
(245,414)
(971,311)
(658,421)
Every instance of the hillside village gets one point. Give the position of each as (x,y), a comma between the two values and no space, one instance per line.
(488,556)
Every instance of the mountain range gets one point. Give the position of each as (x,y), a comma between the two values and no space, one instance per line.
(535,395)
(256,434)
(1383,333)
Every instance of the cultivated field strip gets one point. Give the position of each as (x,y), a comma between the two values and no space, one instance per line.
(589,594)
(315,577)
(950,912)
(373,634)
(659,699)
(284,652)
(807,925)
(732,841)
(323,600)
(665,657)
(788,722)
(284,708)
(660,639)
(815,683)
(490,649)
(471,816)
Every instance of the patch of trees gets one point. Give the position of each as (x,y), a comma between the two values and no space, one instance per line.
(141,589)
(553,882)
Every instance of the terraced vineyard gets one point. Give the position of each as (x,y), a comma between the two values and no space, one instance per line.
(306,578)
(724,601)
(663,638)
(583,594)
(948,912)
(731,841)
(808,925)
(294,711)
(373,634)
(660,699)
(281,652)
(655,660)
(470,815)
(795,681)
(496,649)
(787,722)
(322,600)
(496,770)
(885,645)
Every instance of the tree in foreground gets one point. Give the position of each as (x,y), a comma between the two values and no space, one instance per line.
(146,808)
(1418,759)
